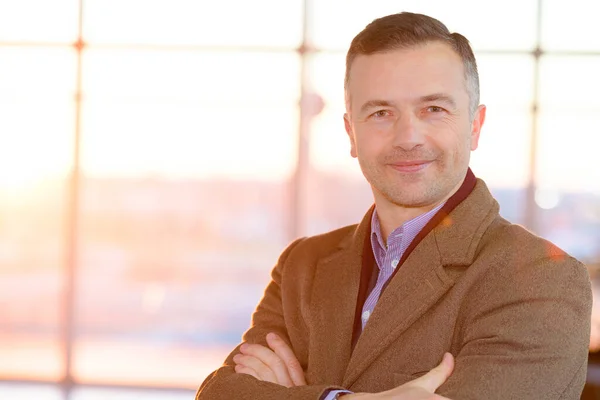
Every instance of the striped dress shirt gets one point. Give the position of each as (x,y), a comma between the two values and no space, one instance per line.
(388,256)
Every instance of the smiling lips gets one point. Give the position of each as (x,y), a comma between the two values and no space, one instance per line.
(410,166)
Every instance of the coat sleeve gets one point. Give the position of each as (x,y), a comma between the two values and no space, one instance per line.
(224,383)
(525,333)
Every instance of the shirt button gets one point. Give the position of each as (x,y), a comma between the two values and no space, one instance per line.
(395,263)
(366,315)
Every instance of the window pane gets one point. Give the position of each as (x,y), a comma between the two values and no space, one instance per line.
(568,193)
(569,124)
(568,150)
(571,220)
(335,199)
(570,26)
(190,114)
(185,262)
(26,392)
(506,133)
(570,83)
(226,22)
(41,21)
(184,207)
(330,148)
(36,74)
(36,140)
(502,158)
(125,394)
(568,168)
(498,91)
(486,31)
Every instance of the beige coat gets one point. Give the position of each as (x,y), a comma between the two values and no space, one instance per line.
(512,308)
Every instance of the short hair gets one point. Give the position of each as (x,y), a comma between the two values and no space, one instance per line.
(405,30)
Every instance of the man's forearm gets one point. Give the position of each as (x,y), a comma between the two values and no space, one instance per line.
(226,384)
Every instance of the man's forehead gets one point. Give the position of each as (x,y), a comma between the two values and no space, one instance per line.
(431,54)
(407,73)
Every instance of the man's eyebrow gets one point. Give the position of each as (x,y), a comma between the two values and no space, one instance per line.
(438,97)
(376,103)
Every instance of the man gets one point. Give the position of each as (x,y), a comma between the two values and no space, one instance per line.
(369,310)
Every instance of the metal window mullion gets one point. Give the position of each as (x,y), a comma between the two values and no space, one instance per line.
(72,223)
(531,208)
(298,214)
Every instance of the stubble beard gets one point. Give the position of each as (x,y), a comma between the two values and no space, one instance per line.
(411,190)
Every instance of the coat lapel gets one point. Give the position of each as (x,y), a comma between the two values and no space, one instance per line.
(333,301)
(416,287)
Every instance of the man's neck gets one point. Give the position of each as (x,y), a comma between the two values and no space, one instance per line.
(391,216)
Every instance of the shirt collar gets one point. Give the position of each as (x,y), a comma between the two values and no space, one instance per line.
(409,230)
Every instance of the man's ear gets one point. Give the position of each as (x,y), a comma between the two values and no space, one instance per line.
(476,125)
(350,133)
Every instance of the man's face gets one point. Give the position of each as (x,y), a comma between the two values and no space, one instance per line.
(409,123)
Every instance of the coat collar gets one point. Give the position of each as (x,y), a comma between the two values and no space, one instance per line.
(459,233)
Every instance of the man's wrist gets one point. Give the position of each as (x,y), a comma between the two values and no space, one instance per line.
(334,394)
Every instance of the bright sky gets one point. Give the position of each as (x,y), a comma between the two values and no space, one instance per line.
(197,114)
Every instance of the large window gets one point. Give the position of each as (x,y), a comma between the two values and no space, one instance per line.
(185,158)
(36,136)
(156,157)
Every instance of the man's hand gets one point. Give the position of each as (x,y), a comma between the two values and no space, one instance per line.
(422,388)
(276,364)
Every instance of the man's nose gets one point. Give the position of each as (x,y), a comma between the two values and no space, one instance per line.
(407,132)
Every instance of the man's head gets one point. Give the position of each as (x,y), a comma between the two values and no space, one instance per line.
(406,30)
(412,114)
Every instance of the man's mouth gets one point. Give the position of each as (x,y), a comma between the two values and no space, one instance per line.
(410,166)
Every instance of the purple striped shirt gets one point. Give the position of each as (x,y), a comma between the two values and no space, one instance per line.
(387,257)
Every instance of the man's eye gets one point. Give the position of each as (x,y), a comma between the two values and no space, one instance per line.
(380,114)
(435,109)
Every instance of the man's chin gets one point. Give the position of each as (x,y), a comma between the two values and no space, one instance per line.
(415,195)
(413,203)
(411,200)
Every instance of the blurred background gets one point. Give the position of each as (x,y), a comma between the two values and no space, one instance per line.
(156,157)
